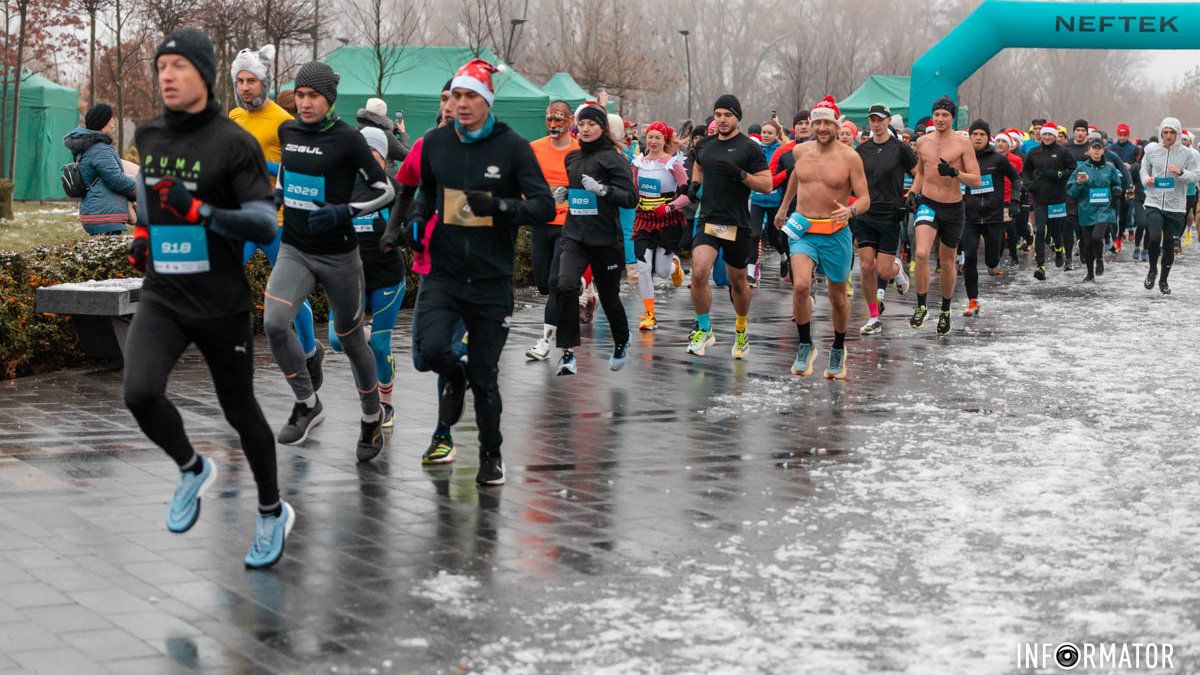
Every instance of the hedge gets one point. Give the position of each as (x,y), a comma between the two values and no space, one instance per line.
(32,342)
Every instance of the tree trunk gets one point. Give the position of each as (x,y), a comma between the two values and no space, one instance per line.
(120,79)
(92,57)
(22,11)
(4,95)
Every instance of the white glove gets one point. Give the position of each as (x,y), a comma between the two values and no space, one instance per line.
(560,195)
(592,185)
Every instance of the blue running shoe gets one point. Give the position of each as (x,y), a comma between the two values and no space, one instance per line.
(805,355)
(837,365)
(185,503)
(619,356)
(269,537)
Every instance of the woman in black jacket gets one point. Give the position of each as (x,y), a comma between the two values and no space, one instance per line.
(600,183)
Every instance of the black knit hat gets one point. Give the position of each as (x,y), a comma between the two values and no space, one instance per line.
(1080,123)
(946,103)
(729,102)
(980,124)
(594,113)
(194,46)
(98,116)
(320,78)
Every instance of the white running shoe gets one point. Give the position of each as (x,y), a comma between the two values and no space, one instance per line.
(901,278)
(540,351)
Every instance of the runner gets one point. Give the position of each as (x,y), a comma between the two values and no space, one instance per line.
(985,213)
(887,161)
(1127,151)
(322,159)
(946,162)
(658,225)
(600,182)
(551,151)
(1004,143)
(261,118)
(802,127)
(1167,169)
(1044,174)
(728,165)
(1097,188)
(485,182)
(203,189)
(764,206)
(826,174)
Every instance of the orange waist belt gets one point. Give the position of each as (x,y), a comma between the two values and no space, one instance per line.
(824,226)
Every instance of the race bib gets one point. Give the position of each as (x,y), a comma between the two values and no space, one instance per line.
(908,180)
(456,210)
(1099,196)
(301,190)
(925,214)
(649,187)
(366,224)
(723,232)
(1056,211)
(179,249)
(1165,182)
(984,187)
(583,202)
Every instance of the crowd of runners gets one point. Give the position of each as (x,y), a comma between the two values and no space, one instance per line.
(333,204)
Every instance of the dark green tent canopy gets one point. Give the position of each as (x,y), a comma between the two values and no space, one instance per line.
(563,86)
(416,81)
(49,111)
(892,91)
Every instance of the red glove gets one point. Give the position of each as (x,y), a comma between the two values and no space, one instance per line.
(139,250)
(175,199)
(661,210)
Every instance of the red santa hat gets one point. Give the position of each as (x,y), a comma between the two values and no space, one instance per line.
(1048,128)
(827,109)
(476,76)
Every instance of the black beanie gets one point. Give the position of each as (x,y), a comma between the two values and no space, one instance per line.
(98,116)
(446,87)
(595,114)
(1080,123)
(980,124)
(730,103)
(947,104)
(194,46)
(320,78)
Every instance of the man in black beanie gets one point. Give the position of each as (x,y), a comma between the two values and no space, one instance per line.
(203,190)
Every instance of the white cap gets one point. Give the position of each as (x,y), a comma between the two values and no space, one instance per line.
(377,106)
(376,139)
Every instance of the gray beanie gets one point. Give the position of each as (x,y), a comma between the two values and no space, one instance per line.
(320,78)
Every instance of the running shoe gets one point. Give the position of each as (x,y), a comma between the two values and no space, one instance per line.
(1164,287)
(1024,247)
(1089,278)
(440,450)
(270,535)
(300,423)
(918,317)
(879,295)
(676,272)
(566,364)
(995,272)
(539,351)
(960,261)
(370,441)
(741,345)
(850,290)
(1040,273)
(491,468)
(1151,278)
(184,508)
(453,398)
(806,354)
(1067,266)
(1099,267)
(649,323)
(901,278)
(589,311)
(872,327)
(943,327)
(912,266)
(313,365)
(972,308)
(1060,256)
(837,364)
(389,415)
(692,332)
(701,340)
(619,357)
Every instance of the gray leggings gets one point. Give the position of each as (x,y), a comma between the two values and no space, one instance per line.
(292,280)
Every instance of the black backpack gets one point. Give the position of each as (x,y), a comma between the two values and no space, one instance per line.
(72,181)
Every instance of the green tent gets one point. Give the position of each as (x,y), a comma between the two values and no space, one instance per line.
(892,91)
(415,86)
(48,112)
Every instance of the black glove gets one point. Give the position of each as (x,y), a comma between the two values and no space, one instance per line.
(328,217)
(278,198)
(912,202)
(410,232)
(944,169)
(1014,207)
(693,192)
(174,198)
(482,204)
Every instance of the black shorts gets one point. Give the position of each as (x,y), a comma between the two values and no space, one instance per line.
(948,220)
(880,235)
(737,250)
(667,238)
(1191,203)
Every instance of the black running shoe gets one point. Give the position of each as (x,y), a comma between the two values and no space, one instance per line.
(370,443)
(1164,287)
(313,365)
(1040,273)
(1060,256)
(1067,266)
(491,468)
(1151,278)
(1089,278)
(454,396)
(1100,267)
(918,317)
(943,327)
(300,423)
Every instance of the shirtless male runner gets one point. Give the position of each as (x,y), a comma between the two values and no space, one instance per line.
(826,174)
(945,163)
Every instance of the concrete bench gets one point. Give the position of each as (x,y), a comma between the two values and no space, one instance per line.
(100,310)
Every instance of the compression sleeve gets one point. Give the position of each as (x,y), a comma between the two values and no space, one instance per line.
(256,221)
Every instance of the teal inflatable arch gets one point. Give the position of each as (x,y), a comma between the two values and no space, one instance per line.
(1059,25)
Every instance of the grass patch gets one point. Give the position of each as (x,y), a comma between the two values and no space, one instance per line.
(41,224)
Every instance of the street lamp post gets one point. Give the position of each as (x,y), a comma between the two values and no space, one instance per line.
(688,52)
(512,31)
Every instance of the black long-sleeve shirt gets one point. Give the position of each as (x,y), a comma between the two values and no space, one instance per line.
(1045,173)
(985,204)
(602,228)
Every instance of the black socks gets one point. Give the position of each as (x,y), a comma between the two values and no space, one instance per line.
(839,340)
(805,332)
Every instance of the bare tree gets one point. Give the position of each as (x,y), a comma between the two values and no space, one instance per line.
(22,11)
(488,24)
(91,7)
(284,22)
(387,27)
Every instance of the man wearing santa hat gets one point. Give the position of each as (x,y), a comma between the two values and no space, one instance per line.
(484,181)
